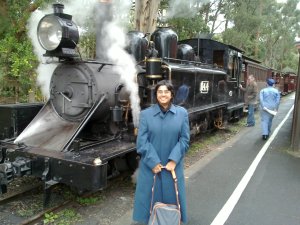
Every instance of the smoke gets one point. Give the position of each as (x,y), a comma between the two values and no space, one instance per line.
(184,8)
(115,38)
(125,66)
(81,10)
(44,70)
(113,42)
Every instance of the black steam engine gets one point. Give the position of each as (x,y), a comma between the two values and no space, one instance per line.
(85,133)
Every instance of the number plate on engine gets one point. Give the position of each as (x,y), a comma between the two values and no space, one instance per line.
(204,87)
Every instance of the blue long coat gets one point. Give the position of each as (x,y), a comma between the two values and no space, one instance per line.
(162,137)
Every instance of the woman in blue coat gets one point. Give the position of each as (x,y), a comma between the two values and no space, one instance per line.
(163,139)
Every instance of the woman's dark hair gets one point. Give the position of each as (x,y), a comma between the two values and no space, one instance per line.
(166,83)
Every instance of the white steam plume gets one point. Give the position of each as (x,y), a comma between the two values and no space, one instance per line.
(125,66)
(115,38)
(81,10)
(184,8)
(44,70)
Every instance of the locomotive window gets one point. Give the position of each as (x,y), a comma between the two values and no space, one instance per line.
(218,58)
(233,64)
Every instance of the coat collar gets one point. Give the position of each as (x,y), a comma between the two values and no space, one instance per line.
(157,110)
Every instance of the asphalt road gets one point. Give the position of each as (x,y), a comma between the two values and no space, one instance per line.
(247,180)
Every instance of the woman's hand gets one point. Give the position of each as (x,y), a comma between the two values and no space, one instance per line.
(157,168)
(170,165)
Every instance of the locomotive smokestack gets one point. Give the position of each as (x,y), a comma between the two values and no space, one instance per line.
(58,8)
(103,16)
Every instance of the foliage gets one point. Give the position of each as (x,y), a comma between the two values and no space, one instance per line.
(4,21)
(273,29)
(87,46)
(87,201)
(24,211)
(50,217)
(185,24)
(188,27)
(65,217)
(17,60)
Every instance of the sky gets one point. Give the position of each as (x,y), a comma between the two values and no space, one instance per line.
(284,1)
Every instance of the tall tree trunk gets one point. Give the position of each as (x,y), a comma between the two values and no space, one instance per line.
(146,15)
(258,32)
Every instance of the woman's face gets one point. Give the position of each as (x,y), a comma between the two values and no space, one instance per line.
(164,96)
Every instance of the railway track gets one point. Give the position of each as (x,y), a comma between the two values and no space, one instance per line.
(38,218)
(24,207)
(17,193)
(23,204)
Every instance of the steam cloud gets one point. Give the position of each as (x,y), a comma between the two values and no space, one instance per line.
(115,38)
(44,69)
(184,8)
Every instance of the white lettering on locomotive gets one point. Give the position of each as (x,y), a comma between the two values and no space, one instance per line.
(204,87)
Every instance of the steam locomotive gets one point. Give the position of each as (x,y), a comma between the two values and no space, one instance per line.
(86,132)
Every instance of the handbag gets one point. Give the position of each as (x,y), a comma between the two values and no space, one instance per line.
(162,213)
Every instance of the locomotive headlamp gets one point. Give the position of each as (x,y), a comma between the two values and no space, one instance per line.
(50,32)
(58,34)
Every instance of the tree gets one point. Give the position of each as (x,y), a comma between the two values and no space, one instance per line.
(185,17)
(265,30)
(16,58)
(280,30)
(146,12)
(17,61)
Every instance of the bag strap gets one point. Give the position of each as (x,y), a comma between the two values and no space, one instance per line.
(175,186)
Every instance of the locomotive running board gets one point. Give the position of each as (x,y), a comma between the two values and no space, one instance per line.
(49,131)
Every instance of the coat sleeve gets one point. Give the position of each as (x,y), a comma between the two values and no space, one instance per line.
(253,92)
(144,147)
(277,100)
(182,145)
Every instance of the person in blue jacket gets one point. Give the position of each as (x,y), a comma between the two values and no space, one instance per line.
(269,101)
(182,94)
(163,139)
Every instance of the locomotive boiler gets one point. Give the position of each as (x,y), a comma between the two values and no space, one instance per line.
(86,132)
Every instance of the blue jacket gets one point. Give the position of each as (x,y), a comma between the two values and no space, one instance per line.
(269,97)
(161,137)
(182,94)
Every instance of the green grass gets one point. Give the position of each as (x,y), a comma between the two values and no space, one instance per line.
(88,201)
(64,217)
